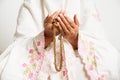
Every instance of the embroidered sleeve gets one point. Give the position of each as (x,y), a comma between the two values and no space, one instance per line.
(35,58)
(86,47)
(91,60)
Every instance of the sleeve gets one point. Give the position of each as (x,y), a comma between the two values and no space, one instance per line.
(29,21)
(99,57)
(29,44)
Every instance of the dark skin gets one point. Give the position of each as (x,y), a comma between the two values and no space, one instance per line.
(48,32)
(67,27)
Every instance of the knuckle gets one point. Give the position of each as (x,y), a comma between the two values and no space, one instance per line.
(71,22)
(67,24)
(67,33)
(50,18)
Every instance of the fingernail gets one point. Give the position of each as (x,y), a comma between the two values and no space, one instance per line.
(61,14)
(76,15)
(58,18)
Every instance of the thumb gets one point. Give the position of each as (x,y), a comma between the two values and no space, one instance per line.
(76,20)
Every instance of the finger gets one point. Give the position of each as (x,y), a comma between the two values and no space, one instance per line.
(65,22)
(71,22)
(61,30)
(63,27)
(52,16)
(46,19)
(55,14)
(48,26)
(76,20)
(62,12)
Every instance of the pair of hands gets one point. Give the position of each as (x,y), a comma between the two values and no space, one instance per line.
(67,27)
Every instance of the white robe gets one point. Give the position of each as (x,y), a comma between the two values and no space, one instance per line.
(26,58)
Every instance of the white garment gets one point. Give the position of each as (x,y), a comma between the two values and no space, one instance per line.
(95,58)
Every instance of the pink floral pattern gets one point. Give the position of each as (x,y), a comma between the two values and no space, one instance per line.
(64,71)
(96,16)
(91,60)
(101,77)
(86,51)
(31,68)
(95,13)
(36,58)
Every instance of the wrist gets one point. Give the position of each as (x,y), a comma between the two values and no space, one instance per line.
(48,40)
(74,42)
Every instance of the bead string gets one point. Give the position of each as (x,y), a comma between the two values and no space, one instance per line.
(58,68)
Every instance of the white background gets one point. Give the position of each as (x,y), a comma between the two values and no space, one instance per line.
(109,10)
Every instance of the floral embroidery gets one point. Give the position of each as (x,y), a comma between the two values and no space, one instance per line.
(101,77)
(33,66)
(24,64)
(38,43)
(35,58)
(95,13)
(31,51)
(64,70)
(91,60)
(90,67)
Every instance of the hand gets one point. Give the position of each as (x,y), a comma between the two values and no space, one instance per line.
(49,26)
(48,32)
(69,29)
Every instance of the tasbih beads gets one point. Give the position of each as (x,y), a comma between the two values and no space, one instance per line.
(58,68)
